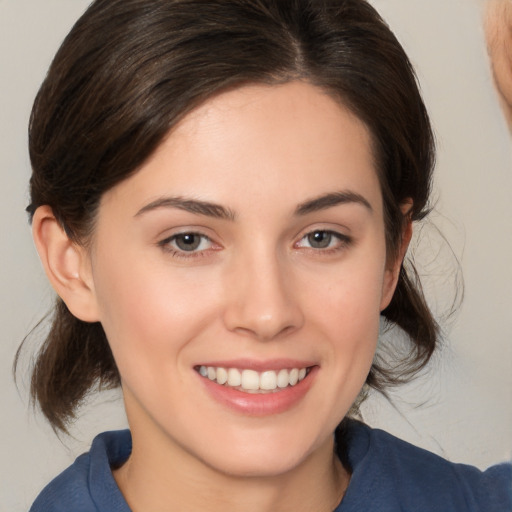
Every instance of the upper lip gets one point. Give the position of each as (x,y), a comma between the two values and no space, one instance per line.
(259,365)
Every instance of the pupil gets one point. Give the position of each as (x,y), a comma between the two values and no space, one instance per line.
(319,239)
(188,242)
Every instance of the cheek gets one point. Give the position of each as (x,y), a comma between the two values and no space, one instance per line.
(356,291)
(347,310)
(147,313)
(346,320)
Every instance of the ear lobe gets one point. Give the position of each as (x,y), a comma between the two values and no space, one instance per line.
(67,265)
(392,272)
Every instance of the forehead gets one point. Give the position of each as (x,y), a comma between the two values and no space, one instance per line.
(259,142)
(280,113)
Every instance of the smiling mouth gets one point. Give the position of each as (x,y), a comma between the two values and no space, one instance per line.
(251,381)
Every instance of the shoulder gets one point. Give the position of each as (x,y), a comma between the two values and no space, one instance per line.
(390,470)
(88,484)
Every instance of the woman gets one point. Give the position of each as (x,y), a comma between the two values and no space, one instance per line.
(222,196)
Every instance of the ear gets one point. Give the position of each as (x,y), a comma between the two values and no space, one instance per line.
(393,266)
(66,264)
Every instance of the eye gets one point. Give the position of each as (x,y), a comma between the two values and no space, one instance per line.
(323,239)
(320,239)
(186,243)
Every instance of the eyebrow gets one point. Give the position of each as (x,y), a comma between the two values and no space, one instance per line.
(190,205)
(332,199)
(220,212)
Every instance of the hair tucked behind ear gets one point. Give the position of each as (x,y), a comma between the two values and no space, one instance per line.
(74,358)
(409,311)
(131,69)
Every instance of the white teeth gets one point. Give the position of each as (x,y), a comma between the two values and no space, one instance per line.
(268,380)
(250,380)
(253,381)
(234,377)
(283,378)
(222,376)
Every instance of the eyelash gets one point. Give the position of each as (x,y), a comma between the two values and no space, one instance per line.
(176,252)
(342,241)
(168,244)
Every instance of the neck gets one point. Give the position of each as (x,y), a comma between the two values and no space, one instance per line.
(168,479)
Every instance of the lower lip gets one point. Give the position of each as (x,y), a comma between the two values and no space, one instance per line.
(260,404)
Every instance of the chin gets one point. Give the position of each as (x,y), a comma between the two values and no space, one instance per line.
(263,464)
(264,454)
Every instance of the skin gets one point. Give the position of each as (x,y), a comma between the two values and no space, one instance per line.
(498,30)
(255,288)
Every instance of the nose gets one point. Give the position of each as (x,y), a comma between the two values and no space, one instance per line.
(260,298)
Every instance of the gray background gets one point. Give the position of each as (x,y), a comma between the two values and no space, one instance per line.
(466,396)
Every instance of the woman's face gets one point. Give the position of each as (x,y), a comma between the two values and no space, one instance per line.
(250,247)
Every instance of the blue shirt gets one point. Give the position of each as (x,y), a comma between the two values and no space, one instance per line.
(388,475)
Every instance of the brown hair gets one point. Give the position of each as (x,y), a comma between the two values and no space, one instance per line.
(131,69)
